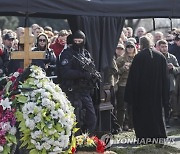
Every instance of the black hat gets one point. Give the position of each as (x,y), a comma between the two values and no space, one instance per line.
(79,34)
(8,36)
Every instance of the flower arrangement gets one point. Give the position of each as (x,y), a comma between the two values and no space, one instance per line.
(7,117)
(46,117)
(84,142)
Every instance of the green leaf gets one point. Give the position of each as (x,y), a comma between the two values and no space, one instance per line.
(8,86)
(75,130)
(31,146)
(24,144)
(6,149)
(26,85)
(19,116)
(33,151)
(30,81)
(58,127)
(12,138)
(22,99)
(42,125)
(44,151)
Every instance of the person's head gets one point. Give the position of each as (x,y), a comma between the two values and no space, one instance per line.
(170,38)
(125,32)
(42,41)
(62,37)
(8,39)
(20,32)
(140,31)
(48,28)
(120,49)
(177,39)
(34,27)
(129,32)
(49,34)
(132,39)
(145,42)
(15,44)
(78,40)
(163,46)
(158,36)
(130,49)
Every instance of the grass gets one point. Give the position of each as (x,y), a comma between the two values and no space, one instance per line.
(147,149)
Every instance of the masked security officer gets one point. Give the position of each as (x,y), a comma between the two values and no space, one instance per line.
(76,82)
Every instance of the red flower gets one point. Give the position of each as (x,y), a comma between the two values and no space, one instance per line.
(1,52)
(13,78)
(73,150)
(13,97)
(13,110)
(1,111)
(20,70)
(2,140)
(100,146)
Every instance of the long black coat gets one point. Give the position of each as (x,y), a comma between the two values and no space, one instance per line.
(147,90)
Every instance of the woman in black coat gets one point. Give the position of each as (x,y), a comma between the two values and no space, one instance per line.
(49,63)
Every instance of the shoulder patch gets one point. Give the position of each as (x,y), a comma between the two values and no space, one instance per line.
(64,62)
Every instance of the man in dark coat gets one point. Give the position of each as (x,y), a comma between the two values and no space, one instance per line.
(76,82)
(147,90)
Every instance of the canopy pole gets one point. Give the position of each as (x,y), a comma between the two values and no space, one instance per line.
(170,23)
(154,24)
(26,23)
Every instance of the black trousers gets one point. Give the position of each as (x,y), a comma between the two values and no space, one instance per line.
(84,109)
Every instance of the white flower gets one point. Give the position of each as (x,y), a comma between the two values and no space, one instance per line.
(50,126)
(30,123)
(33,141)
(1,148)
(60,112)
(57,149)
(51,141)
(37,118)
(29,107)
(45,102)
(54,114)
(12,131)
(6,104)
(46,146)
(32,94)
(39,85)
(6,126)
(38,146)
(45,94)
(16,74)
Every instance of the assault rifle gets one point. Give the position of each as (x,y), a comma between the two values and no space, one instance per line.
(89,66)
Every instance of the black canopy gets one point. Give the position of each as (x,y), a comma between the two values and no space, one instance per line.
(120,8)
(101,20)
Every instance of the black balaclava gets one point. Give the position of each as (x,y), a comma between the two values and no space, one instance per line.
(79,35)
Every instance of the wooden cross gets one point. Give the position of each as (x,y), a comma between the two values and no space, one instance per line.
(27,55)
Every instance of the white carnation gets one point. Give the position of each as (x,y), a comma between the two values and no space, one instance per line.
(46,146)
(16,74)
(12,131)
(30,123)
(1,148)
(54,114)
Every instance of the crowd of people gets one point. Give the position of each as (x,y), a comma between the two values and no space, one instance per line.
(146,93)
(64,49)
